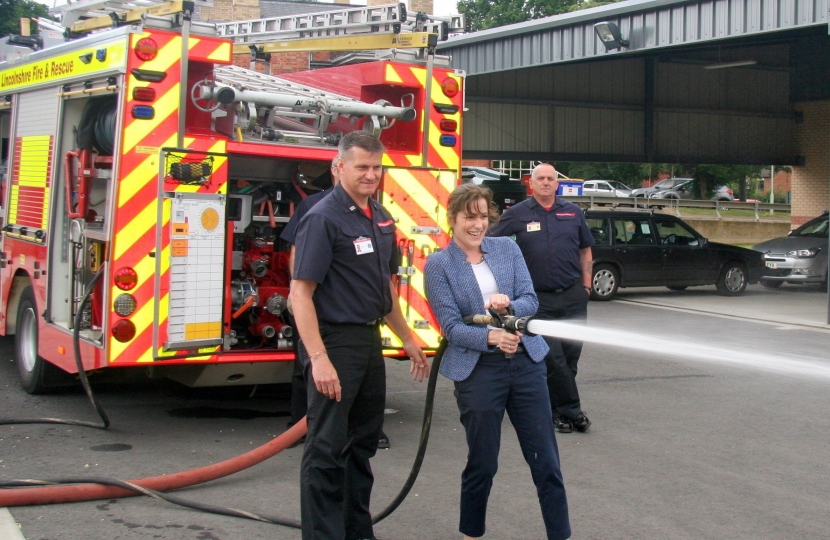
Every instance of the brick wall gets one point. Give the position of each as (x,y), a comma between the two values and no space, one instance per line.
(811,183)
(420,5)
(230,10)
(413,6)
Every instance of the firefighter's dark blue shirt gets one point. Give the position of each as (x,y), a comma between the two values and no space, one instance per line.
(352,288)
(289,233)
(550,240)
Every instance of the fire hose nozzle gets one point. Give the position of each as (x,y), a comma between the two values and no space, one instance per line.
(510,323)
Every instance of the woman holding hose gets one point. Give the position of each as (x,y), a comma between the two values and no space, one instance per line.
(494,371)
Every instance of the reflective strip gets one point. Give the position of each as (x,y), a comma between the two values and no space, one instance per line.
(139,226)
(222,53)
(166,107)
(145,172)
(392,75)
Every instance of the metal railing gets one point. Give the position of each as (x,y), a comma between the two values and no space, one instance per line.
(594,201)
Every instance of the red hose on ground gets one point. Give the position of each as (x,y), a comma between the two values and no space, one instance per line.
(92,492)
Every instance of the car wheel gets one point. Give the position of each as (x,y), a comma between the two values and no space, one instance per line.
(31,367)
(769,284)
(676,287)
(605,282)
(732,280)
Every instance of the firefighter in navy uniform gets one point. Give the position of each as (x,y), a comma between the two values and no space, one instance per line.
(344,262)
(556,243)
(299,396)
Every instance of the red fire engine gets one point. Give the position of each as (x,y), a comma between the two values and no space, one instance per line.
(140,153)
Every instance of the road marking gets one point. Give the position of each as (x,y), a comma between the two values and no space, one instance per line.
(780,325)
(9,529)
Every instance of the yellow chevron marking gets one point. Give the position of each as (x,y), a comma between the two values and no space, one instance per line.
(392,75)
(138,318)
(144,172)
(165,106)
(448,154)
(138,227)
(420,195)
(143,317)
(222,53)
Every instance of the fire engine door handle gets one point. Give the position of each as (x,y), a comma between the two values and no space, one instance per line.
(152,254)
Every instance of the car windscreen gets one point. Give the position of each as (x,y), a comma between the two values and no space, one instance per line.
(619,185)
(815,229)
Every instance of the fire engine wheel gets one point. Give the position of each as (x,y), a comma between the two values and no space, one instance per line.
(32,368)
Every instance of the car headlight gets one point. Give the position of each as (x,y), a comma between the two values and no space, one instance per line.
(803,253)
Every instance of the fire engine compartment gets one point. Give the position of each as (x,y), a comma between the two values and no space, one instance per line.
(263,193)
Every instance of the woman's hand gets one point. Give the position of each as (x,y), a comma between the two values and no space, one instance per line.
(499,302)
(505,341)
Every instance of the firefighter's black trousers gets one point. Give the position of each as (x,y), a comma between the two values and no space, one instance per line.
(570,304)
(336,478)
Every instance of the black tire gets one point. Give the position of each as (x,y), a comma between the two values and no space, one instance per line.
(732,280)
(677,287)
(604,282)
(770,284)
(31,367)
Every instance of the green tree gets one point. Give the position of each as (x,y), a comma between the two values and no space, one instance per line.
(491,13)
(14,10)
(486,14)
(711,176)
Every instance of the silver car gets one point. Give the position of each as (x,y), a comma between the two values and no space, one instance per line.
(684,191)
(666,183)
(799,257)
(605,188)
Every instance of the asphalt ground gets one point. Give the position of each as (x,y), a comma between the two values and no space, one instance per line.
(679,448)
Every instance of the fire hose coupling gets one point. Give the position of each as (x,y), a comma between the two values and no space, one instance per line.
(508,322)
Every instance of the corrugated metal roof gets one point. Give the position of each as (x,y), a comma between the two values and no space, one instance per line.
(647,24)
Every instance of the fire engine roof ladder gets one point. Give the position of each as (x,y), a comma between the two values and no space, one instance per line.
(86,16)
(352,28)
(357,28)
(290,106)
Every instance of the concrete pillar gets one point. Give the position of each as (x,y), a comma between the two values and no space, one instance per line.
(811,183)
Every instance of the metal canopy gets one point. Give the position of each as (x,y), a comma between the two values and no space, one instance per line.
(647,24)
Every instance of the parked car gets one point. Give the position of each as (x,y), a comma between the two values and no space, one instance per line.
(684,191)
(605,188)
(799,257)
(643,249)
(666,183)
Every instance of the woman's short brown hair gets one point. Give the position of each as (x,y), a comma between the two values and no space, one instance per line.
(464,198)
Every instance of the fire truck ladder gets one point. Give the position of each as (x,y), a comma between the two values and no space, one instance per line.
(350,28)
(86,16)
(292,112)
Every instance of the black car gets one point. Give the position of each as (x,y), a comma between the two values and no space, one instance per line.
(643,249)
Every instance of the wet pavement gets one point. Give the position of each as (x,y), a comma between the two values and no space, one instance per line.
(679,449)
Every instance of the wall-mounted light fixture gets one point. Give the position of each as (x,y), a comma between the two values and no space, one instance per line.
(609,34)
(724,65)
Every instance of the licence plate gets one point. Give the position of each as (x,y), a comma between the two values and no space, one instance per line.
(772,265)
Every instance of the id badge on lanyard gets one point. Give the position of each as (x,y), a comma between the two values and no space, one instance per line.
(363,245)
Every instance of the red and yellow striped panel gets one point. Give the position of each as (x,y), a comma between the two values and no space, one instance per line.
(217,184)
(31,181)
(418,198)
(137,206)
(438,156)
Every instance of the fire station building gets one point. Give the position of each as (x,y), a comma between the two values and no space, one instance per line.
(665,81)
